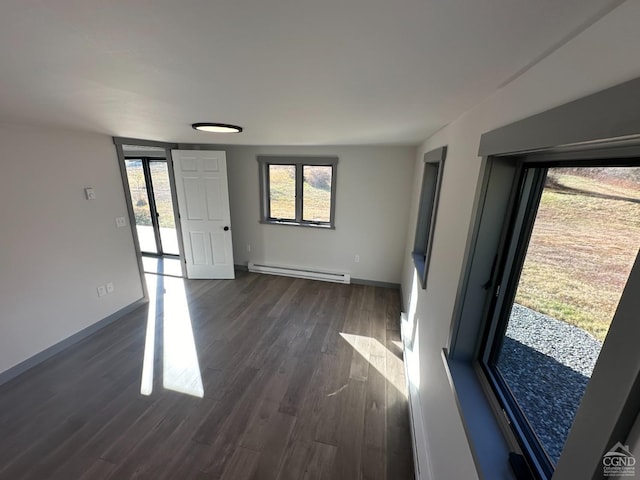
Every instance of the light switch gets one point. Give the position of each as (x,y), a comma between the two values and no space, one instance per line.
(90,193)
(121,222)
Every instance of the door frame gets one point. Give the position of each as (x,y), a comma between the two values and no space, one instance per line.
(148,148)
(156,147)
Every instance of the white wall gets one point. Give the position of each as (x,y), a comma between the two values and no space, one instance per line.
(372,201)
(602,56)
(56,247)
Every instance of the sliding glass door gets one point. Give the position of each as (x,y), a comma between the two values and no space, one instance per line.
(163,204)
(150,191)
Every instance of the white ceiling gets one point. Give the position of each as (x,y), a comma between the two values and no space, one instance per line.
(291,72)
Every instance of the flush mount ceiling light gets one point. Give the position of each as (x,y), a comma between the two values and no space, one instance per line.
(216,127)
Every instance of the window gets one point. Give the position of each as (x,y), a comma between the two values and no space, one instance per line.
(552,274)
(570,248)
(431,180)
(298,190)
(555,231)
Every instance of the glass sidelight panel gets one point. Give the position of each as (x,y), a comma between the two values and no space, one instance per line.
(150,190)
(164,207)
(141,206)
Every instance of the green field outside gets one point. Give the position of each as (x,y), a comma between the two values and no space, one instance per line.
(316,190)
(583,246)
(161,189)
(316,193)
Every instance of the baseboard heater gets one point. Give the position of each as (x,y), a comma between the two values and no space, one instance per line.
(312,274)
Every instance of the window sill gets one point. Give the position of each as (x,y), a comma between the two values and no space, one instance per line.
(323,226)
(487,443)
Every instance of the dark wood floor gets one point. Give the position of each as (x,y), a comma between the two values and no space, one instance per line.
(301,379)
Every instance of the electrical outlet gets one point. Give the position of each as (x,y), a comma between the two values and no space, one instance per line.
(90,193)
(357,259)
(102,291)
(121,222)
(110,288)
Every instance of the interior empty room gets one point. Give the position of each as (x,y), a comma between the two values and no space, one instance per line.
(330,240)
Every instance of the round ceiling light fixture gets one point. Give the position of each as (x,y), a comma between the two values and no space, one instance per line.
(216,127)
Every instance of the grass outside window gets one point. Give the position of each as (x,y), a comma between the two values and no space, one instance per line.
(571,248)
(298,191)
(560,277)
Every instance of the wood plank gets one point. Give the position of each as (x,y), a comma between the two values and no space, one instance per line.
(348,458)
(210,427)
(310,353)
(375,420)
(297,460)
(17,467)
(301,378)
(265,410)
(186,462)
(76,445)
(274,447)
(100,470)
(229,434)
(242,465)
(335,375)
(320,464)
(80,407)
(144,455)
(392,309)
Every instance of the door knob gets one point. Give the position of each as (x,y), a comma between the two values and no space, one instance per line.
(226,229)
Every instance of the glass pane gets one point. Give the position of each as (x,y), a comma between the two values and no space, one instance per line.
(141,209)
(162,265)
(282,191)
(164,207)
(582,248)
(316,193)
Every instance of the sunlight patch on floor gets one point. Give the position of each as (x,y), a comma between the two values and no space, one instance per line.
(380,358)
(180,366)
(181,370)
(146,386)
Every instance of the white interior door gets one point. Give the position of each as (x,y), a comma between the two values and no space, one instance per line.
(203,203)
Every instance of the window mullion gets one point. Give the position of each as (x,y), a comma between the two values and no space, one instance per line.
(332,205)
(299,199)
(267,186)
